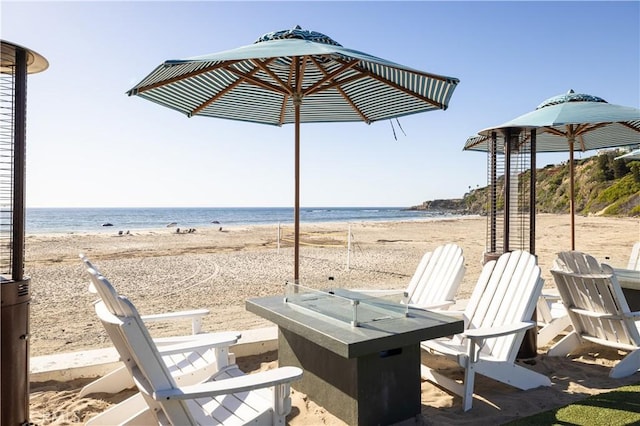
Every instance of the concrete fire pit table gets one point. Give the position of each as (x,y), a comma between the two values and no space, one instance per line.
(360,354)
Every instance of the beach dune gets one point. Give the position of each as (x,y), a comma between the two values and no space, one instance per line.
(161,271)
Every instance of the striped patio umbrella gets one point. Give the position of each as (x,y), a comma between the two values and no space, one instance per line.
(571,122)
(294,76)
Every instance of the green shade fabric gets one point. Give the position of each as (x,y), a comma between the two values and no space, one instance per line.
(591,121)
(258,83)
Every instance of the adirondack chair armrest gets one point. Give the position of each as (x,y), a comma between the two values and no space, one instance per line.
(194,315)
(456,314)
(247,382)
(489,332)
(381,293)
(217,340)
(222,335)
(170,316)
(376,291)
(551,297)
(601,315)
(433,306)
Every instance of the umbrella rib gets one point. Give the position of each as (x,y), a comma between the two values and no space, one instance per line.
(303,69)
(329,77)
(181,77)
(318,86)
(335,83)
(263,67)
(554,131)
(220,94)
(283,106)
(408,92)
(402,89)
(248,78)
(586,127)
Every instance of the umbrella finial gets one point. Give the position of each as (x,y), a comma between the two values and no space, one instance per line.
(570,96)
(298,33)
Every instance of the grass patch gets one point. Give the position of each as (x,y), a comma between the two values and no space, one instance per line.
(616,408)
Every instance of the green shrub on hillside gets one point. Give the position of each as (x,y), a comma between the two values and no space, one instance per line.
(623,188)
(593,193)
(634,166)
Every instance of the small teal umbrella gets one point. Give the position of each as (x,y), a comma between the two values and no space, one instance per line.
(633,155)
(571,122)
(294,76)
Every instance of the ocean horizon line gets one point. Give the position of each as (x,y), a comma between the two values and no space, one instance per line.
(219,207)
(94,219)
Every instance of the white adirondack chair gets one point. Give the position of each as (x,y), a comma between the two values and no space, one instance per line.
(227,397)
(634,258)
(189,363)
(496,319)
(436,280)
(598,310)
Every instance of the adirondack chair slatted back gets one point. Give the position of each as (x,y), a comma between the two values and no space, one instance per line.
(596,305)
(137,350)
(506,293)
(106,291)
(634,259)
(438,276)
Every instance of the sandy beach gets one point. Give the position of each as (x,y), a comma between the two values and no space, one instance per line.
(160,270)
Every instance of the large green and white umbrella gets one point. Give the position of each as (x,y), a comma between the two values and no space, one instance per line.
(571,122)
(294,76)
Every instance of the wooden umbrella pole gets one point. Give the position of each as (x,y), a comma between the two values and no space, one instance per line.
(296,212)
(572,207)
(297,102)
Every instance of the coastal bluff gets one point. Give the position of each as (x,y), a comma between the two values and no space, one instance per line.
(603,186)
(455,205)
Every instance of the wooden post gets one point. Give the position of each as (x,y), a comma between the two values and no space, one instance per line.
(278,238)
(349,247)
(507,188)
(532,195)
(494,192)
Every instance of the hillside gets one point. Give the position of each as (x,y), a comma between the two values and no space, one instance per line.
(603,186)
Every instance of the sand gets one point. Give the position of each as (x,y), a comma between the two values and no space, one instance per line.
(163,271)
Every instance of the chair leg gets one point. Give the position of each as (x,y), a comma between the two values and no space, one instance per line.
(511,374)
(627,365)
(281,401)
(434,377)
(469,380)
(565,346)
(113,382)
(132,411)
(551,330)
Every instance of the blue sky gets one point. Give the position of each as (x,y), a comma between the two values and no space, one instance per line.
(88,144)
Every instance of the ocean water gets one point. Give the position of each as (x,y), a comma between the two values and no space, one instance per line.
(65,220)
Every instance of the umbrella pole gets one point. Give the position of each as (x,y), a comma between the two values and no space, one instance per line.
(296,212)
(572,207)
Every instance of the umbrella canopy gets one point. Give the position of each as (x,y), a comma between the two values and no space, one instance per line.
(571,122)
(294,76)
(588,120)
